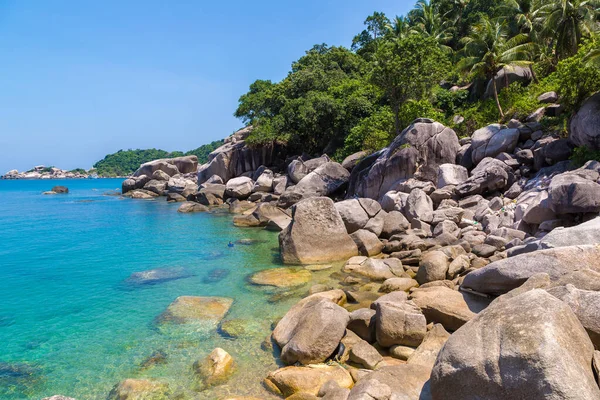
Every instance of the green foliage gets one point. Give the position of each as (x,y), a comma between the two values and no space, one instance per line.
(371,133)
(575,79)
(581,155)
(78,171)
(449,101)
(125,162)
(408,69)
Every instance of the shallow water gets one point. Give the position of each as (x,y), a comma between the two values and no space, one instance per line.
(70,321)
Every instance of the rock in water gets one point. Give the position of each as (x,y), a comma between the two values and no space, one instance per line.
(281,277)
(157,357)
(528,347)
(290,380)
(139,389)
(215,369)
(158,275)
(317,234)
(191,207)
(215,275)
(60,189)
(192,309)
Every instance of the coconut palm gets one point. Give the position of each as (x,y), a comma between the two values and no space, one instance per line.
(399,27)
(520,11)
(489,48)
(429,22)
(565,22)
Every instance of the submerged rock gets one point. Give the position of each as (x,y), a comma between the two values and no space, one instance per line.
(156,358)
(281,277)
(158,275)
(193,309)
(19,377)
(139,389)
(215,275)
(191,207)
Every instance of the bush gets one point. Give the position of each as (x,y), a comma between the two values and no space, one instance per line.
(581,155)
(371,134)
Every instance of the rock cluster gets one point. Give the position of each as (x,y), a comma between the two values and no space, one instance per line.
(471,266)
(42,172)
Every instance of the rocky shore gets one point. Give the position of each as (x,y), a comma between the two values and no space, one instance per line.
(42,172)
(471,266)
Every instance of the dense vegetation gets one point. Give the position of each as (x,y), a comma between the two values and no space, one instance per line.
(125,162)
(434,62)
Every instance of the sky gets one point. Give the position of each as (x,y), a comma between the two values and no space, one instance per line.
(80,79)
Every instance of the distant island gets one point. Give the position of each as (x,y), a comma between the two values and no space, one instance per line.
(120,164)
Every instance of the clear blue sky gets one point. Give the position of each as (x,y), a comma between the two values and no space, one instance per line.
(80,79)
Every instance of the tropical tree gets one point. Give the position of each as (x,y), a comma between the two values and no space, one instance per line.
(564,23)
(365,43)
(489,48)
(399,27)
(520,13)
(430,23)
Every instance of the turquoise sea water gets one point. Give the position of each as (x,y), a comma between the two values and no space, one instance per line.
(71,325)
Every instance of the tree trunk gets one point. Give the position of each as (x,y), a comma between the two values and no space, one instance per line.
(396,109)
(496,98)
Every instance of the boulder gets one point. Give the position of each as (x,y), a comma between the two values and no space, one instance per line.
(362,322)
(298,168)
(433,267)
(316,234)
(291,380)
(451,174)
(398,321)
(401,382)
(582,234)
(191,207)
(353,159)
(493,140)
(60,189)
(264,183)
(490,175)
(417,205)
(418,151)
(448,307)
(196,310)
(569,193)
(548,97)
(353,214)
(586,306)
(139,389)
(323,181)
(239,188)
(158,187)
(367,242)
(281,277)
(584,128)
(165,165)
(182,186)
(214,369)
(507,76)
(310,332)
(160,175)
(396,284)
(362,353)
(529,347)
(374,269)
(504,275)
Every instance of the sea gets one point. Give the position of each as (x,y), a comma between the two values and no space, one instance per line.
(74,322)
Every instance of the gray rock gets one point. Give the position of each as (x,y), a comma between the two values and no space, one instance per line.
(323,181)
(548,97)
(528,347)
(160,175)
(570,193)
(362,322)
(584,128)
(353,214)
(586,233)
(507,76)
(395,284)
(298,168)
(352,160)
(502,276)
(448,307)
(239,188)
(394,223)
(376,224)
(490,175)
(316,234)
(367,242)
(493,140)
(158,187)
(433,267)
(364,354)
(451,174)
(417,205)
(398,322)
(264,183)
(417,152)
(586,306)
(310,332)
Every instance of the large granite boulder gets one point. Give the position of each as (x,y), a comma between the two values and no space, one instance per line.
(582,234)
(310,332)
(239,188)
(264,182)
(418,204)
(507,76)
(528,347)
(196,310)
(584,127)
(451,174)
(488,176)
(398,321)
(353,214)
(298,168)
(170,166)
(316,234)
(493,140)
(586,306)
(504,275)
(323,181)
(570,193)
(306,380)
(418,151)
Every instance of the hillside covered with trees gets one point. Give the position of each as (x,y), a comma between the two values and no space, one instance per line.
(438,62)
(125,162)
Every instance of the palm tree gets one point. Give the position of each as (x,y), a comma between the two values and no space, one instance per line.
(399,27)
(521,11)
(489,48)
(429,22)
(593,57)
(565,22)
